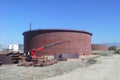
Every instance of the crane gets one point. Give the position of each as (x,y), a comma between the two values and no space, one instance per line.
(34,50)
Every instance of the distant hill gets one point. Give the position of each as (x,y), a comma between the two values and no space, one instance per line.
(114,44)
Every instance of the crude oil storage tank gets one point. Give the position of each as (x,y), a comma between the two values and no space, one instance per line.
(100,47)
(79,42)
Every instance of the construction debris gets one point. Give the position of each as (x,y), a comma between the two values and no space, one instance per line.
(67,55)
(5,59)
(39,64)
(49,62)
(26,64)
(62,59)
(15,57)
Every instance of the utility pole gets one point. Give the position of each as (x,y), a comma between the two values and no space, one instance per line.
(30,26)
(0,46)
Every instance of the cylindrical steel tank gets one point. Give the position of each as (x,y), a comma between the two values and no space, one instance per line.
(79,41)
(100,47)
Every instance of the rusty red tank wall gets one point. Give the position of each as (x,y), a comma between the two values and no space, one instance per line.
(99,47)
(79,42)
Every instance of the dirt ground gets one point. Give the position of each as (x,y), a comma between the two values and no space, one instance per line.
(106,68)
(14,72)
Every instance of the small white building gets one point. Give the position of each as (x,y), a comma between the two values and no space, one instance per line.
(16,48)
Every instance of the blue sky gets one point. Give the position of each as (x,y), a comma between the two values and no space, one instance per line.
(100,17)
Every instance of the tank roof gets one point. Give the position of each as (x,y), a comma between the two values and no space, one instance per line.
(56,30)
